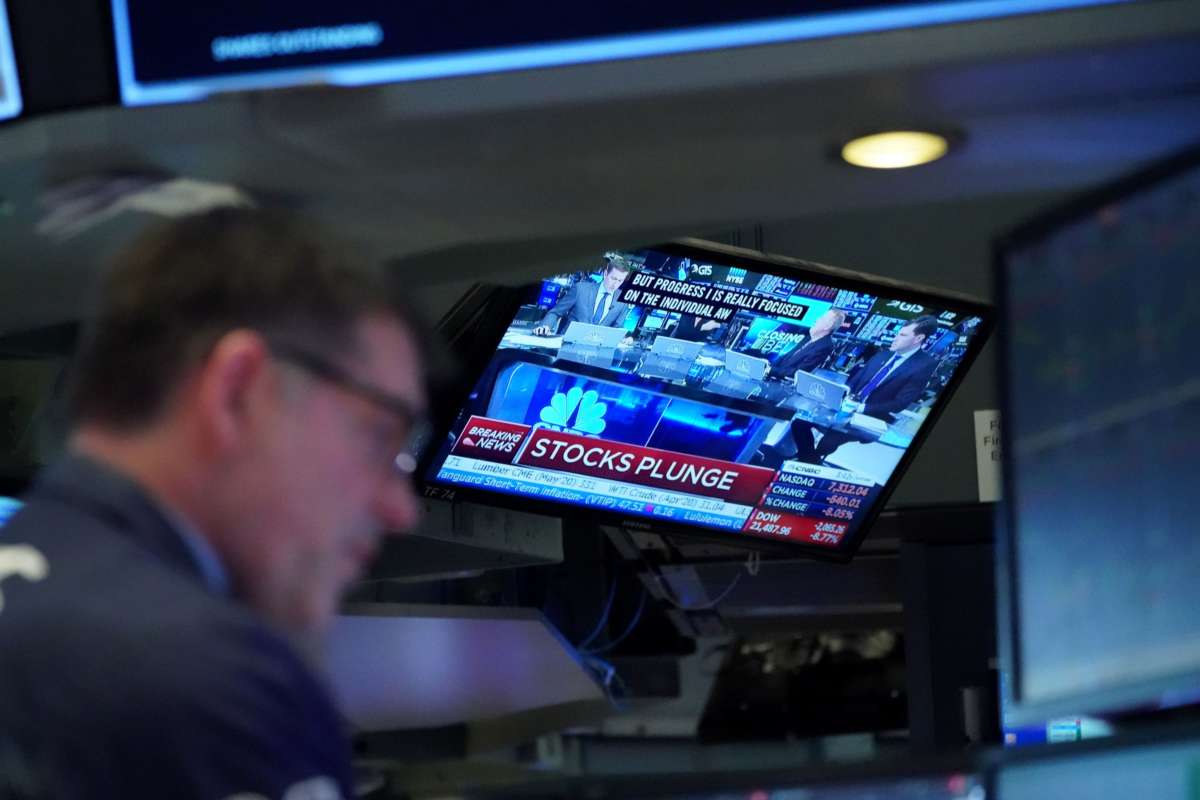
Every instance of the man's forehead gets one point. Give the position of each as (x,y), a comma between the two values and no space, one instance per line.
(389,351)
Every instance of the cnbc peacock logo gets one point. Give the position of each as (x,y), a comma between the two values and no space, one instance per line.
(576,410)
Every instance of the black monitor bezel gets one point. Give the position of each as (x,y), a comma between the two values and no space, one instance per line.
(484,342)
(1117,699)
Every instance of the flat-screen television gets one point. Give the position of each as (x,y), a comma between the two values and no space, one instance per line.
(184,51)
(696,388)
(1100,394)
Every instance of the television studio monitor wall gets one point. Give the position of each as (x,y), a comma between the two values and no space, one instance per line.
(702,389)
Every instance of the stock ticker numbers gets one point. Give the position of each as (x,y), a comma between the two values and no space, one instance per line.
(844,501)
(827,533)
(808,508)
(760,525)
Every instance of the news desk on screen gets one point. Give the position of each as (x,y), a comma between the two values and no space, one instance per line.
(707,396)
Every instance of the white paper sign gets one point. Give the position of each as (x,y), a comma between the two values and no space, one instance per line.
(987,454)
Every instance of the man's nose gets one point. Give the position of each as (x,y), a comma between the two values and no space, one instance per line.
(397,506)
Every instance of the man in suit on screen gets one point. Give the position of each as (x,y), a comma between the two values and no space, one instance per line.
(887,384)
(814,351)
(590,302)
(895,378)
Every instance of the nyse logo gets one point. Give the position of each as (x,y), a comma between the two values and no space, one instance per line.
(22,561)
(736,276)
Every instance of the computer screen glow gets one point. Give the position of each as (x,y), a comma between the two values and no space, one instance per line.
(1103,410)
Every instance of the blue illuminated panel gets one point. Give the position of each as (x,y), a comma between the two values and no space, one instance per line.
(8,507)
(177,52)
(10,87)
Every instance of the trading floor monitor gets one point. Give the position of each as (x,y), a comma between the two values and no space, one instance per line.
(666,411)
(1100,302)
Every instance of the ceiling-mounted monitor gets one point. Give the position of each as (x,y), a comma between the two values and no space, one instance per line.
(1100,394)
(10,87)
(178,52)
(704,389)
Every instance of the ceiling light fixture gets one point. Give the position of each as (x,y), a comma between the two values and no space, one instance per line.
(895,149)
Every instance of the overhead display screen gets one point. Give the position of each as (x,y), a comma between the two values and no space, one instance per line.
(173,52)
(680,387)
(10,87)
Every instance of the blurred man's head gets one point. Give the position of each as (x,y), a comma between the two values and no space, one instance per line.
(913,335)
(615,273)
(262,385)
(827,323)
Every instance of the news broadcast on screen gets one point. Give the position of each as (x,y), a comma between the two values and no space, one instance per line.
(661,385)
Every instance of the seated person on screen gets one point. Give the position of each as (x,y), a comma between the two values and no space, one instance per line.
(814,351)
(887,384)
(695,329)
(590,302)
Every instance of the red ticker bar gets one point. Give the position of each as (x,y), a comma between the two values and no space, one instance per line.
(646,466)
(793,527)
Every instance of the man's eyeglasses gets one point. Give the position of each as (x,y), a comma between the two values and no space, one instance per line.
(412,421)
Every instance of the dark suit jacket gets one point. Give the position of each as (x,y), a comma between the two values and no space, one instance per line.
(902,388)
(687,328)
(577,303)
(808,356)
(123,674)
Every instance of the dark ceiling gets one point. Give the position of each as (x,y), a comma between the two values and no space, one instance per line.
(511,174)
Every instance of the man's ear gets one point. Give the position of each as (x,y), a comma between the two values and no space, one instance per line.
(230,378)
